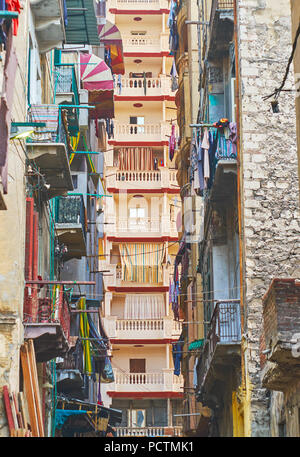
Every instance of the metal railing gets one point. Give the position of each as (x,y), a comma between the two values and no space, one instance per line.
(224,328)
(70,210)
(47,310)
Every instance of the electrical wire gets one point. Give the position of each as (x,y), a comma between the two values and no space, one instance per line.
(277,91)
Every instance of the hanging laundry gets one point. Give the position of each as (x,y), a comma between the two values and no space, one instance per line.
(119,84)
(172,13)
(205,147)
(145,83)
(172,142)
(177,355)
(14,5)
(233,138)
(174,76)
(213,141)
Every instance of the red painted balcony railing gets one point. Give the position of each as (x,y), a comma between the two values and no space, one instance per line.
(47,310)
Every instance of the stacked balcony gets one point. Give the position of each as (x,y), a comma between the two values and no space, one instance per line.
(66,92)
(47,152)
(47,321)
(140,4)
(220,27)
(281,339)
(148,87)
(160,381)
(149,431)
(70,222)
(221,347)
(152,329)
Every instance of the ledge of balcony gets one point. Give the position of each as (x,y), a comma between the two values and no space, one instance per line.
(280,376)
(222,348)
(220,27)
(52,160)
(49,340)
(69,380)
(223,186)
(70,225)
(149,431)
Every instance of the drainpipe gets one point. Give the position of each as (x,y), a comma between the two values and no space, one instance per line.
(239,193)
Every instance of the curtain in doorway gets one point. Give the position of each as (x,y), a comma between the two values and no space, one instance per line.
(136,159)
(142,262)
(140,306)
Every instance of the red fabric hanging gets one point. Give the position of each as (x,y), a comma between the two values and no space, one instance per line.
(14,5)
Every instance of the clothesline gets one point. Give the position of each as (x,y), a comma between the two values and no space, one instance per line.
(203,125)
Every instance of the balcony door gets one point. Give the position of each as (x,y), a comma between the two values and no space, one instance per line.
(137,365)
(137,369)
(137,124)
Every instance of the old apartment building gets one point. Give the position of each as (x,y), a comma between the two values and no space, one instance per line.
(248,240)
(149,218)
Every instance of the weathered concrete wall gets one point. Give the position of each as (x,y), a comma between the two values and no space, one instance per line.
(12,239)
(295,10)
(269,176)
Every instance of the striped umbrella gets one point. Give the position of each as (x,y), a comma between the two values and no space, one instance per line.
(95,74)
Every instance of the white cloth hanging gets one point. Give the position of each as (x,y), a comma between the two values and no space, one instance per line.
(205,146)
(141,306)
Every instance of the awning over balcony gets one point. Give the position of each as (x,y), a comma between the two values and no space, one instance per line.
(82,23)
(110,36)
(92,417)
(97,78)
(197,344)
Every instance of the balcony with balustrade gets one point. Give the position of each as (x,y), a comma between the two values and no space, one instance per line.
(146,43)
(153,382)
(149,431)
(114,280)
(150,329)
(136,5)
(142,227)
(135,135)
(47,321)
(144,87)
(161,180)
(221,348)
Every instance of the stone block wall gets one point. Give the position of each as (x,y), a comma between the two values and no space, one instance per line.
(282,312)
(269,177)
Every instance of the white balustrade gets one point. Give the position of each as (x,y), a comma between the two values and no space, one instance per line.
(142,328)
(139,176)
(145,132)
(160,381)
(148,87)
(139,325)
(135,4)
(149,431)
